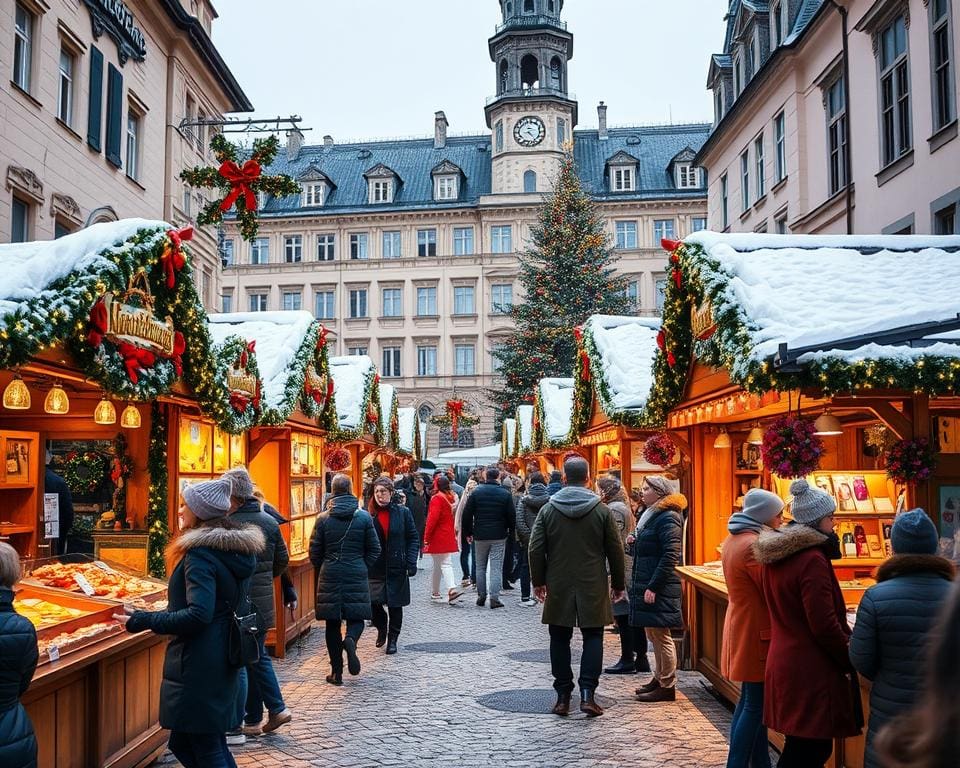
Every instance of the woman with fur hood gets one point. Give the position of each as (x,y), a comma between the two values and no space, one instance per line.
(812,694)
(210,564)
(655,589)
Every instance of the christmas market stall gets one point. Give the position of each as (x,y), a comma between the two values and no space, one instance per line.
(285,449)
(552,410)
(523,442)
(508,441)
(776,363)
(610,418)
(409,445)
(94,326)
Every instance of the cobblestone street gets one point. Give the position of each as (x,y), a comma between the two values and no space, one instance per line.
(424,708)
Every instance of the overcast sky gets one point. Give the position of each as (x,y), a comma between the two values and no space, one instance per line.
(364,69)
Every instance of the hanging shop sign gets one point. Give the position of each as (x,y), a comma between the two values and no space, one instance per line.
(242,383)
(702,322)
(114,18)
(137,326)
(598,438)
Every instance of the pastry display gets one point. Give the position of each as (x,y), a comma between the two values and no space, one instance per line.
(42,613)
(105,583)
(70,641)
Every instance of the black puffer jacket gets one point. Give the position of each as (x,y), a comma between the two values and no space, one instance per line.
(656,554)
(18,660)
(390,573)
(271,562)
(343,546)
(891,634)
(528,507)
(489,514)
(417,504)
(199,689)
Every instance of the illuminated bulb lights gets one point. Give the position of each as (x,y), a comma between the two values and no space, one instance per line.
(130,418)
(56,401)
(16,396)
(827,424)
(105,412)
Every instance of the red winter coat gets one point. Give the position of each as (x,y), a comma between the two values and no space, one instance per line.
(810,687)
(439,537)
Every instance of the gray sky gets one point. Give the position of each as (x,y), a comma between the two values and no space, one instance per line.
(363,69)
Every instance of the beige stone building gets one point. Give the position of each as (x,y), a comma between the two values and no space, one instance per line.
(407,250)
(91,100)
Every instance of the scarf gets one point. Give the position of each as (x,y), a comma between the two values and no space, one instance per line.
(382,514)
(739,522)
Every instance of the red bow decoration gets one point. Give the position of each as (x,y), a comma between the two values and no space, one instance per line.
(678,279)
(376,379)
(135,359)
(584,366)
(671,359)
(669,245)
(322,338)
(244,356)
(239,402)
(240,178)
(115,471)
(661,339)
(578,333)
(97,323)
(179,347)
(256,397)
(372,416)
(173,259)
(454,410)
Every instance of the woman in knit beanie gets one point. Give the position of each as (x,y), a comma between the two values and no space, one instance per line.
(812,692)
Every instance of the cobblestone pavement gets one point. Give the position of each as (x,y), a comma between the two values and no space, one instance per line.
(422,709)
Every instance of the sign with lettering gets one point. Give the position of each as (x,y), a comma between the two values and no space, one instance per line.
(241,382)
(701,321)
(137,326)
(599,438)
(114,18)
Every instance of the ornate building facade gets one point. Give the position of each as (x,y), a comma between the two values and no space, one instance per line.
(407,250)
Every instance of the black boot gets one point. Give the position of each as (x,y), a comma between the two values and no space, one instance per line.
(335,677)
(381,637)
(562,707)
(622,667)
(588,703)
(643,663)
(391,646)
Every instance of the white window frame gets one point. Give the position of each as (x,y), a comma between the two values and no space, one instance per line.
(227,253)
(134,143)
(661,231)
(359,246)
(359,308)
(392,244)
(381,191)
(695,220)
(291,300)
(777,25)
(391,302)
(260,251)
(760,166)
(627,237)
(464,359)
(327,244)
(292,249)
(838,142)
(745,179)
(392,358)
(314,194)
(258,302)
(942,72)
(659,293)
(894,82)
(427,300)
(356,351)
(446,188)
(632,293)
(23,34)
(427,242)
(501,298)
(325,315)
(622,178)
(780,146)
(226,302)
(687,176)
(501,238)
(426,360)
(67,68)
(780,224)
(724,202)
(464,300)
(463,241)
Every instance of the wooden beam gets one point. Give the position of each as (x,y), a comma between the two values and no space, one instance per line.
(682,442)
(260,436)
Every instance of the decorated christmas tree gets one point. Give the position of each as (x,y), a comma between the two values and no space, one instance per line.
(567,275)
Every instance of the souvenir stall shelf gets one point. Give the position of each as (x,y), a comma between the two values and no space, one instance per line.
(204,451)
(833,388)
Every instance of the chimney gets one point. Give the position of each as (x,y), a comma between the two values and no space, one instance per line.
(602,118)
(294,144)
(440,125)
(328,140)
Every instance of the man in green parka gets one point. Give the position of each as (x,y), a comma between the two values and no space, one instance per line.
(573,539)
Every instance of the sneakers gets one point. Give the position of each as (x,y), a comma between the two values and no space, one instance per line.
(236,738)
(454,594)
(251,730)
(494,603)
(278,719)
(529,602)
(437,598)
(353,661)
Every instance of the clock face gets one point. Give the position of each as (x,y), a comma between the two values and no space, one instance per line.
(529,131)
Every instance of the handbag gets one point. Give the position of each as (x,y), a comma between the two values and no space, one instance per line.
(243,648)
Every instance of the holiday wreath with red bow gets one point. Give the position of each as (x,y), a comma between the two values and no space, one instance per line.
(455,415)
(238,366)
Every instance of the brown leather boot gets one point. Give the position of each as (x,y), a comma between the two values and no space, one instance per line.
(647,687)
(658,694)
(588,704)
(562,707)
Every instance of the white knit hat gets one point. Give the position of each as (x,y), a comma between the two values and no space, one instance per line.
(241,481)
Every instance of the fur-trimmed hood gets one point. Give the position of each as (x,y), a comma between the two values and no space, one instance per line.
(675,501)
(234,544)
(772,546)
(905,565)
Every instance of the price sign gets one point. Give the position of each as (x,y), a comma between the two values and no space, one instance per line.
(54,653)
(103,566)
(51,516)
(85,585)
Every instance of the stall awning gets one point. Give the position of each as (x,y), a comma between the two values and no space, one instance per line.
(488,454)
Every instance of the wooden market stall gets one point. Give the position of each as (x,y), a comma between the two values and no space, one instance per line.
(552,412)
(764,334)
(508,441)
(352,417)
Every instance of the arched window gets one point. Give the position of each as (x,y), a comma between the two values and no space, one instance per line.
(529,72)
(425,412)
(464,439)
(504,75)
(556,73)
(530,181)
(509,8)
(528,6)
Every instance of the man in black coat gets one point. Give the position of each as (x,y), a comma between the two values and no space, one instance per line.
(416,498)
(263,689)
(489,517)
(53,483)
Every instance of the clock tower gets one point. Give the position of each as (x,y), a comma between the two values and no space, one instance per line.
(532,115)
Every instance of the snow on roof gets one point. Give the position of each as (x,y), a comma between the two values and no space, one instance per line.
(387,396)
(510,435)
(279,337)
(627,347)
(408,428)
(815,290)
(28,268)
(350,375)
(525,425)
(556,399)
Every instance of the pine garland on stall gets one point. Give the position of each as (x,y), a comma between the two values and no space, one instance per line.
(157,529)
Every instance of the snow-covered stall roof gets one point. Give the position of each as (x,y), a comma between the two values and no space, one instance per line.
(622,352)
(509,439)
(285,345)
(353,377)
(525,428)
(409,428)
(555,400)
(389,402)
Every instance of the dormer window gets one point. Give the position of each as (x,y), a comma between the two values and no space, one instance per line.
(314,194)
(381,191)
(687,176)
(778,24)
(737,76)
(382,184)
(622,179)
(446,188)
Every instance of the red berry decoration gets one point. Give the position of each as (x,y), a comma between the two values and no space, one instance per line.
(659,450)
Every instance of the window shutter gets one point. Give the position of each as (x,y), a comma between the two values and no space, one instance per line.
(95,107)
(114,114)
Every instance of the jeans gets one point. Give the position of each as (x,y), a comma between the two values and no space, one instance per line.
(591,662)
(334,639)
(489,552)
(804,753)
(442,571)
(748,736)
(241,700)
(523,566)
(388,621)
(468,565)
(664,655)
(262,687)
(201,750)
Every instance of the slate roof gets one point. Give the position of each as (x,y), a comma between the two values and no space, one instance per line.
(414,159)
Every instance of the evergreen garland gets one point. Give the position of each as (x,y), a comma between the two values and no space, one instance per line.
(369,406)
(241,413)
(157,528)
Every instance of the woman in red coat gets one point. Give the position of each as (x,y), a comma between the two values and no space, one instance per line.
(812,693)
(440,539)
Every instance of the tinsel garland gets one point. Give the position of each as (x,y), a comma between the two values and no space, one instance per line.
(157,529)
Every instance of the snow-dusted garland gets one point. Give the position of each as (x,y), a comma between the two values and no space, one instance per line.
(540,439)
(369,414)
(244,410)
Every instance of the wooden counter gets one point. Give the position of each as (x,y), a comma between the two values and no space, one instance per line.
(99,706)
(304,580)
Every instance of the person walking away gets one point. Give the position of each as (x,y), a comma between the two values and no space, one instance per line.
(508,574)
(343,546)
(528,507)
(18,661)
(440,541)
(746,627)
(895,619)
(468,560)
(633,641)
(488,518)
(391,571)
(211,564)
(263,689)
(53,483)
(654,585)
(555,482)
(573,542)
(928,736)
(812,694)
(417,503)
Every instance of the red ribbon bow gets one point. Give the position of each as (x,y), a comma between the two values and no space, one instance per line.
(454,409)
(240,178)
(98,324)
(669,245)
(322,338)
(244,356)
(135,359)
(578,333)
(585,366)
(173,258)
(238,402)
(179,347)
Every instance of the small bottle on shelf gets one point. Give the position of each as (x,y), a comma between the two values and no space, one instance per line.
(860,539)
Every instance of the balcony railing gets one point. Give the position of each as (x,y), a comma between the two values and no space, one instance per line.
(532,20)
(532,93)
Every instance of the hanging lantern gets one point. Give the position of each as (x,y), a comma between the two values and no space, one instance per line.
(56,401)
(16,396)
(723,440)
(756,435)
(105,413)
(130,418)
(827,424)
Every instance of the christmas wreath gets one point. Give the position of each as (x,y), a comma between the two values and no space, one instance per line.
(790,447)
(659,450)
(239,183)
(338,459)
(910,461)
(241,379)
(455,415)
(84,472)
